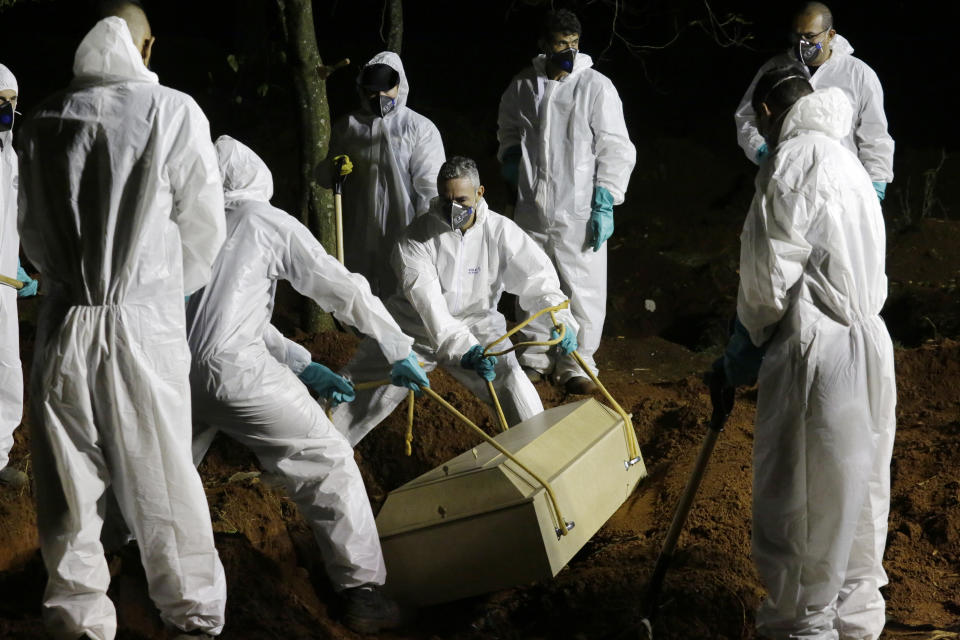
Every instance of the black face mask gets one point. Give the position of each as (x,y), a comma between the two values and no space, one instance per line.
(563,59)
(381,105)
(6,117)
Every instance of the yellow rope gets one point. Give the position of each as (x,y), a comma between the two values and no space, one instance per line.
(409,437)
(563,305)
(496,404)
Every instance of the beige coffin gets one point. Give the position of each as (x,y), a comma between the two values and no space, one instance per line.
(480,523)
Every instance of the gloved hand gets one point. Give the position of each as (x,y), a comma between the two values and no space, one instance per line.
(510,167)
(483,365)
(569,342)
(741,359)
(344,168)
(600,227)
(29,284)
(881,189)
(409,374)
(327,384)
(762,152)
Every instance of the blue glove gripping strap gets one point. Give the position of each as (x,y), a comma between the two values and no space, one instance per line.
(742,358)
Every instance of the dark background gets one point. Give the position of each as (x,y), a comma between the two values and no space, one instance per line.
(459,56)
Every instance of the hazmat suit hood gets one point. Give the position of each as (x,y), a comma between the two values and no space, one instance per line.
(245,176)
(580,62)
(107,54)
(392,60)
(826,111)
(7,81)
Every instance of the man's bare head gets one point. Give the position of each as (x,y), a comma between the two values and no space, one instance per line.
(133,14)
(813,10)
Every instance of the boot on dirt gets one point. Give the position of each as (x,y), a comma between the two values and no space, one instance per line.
(580,385)
(368,610)
(532,374)
(13,477)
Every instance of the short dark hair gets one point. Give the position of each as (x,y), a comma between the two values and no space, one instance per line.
(560,21)
(780,87)
(816,7)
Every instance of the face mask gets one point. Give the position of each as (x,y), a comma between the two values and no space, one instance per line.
(459,215)
(6,117)
(381,105)
(808,51)
(564,59)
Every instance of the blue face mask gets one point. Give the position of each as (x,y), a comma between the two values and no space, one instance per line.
(564,59)
(6,117)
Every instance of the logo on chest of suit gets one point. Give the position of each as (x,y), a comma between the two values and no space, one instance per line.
(473,270)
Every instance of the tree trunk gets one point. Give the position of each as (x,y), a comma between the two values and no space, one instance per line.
(316,203)
(395,35)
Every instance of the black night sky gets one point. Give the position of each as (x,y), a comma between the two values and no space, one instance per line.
(460,59)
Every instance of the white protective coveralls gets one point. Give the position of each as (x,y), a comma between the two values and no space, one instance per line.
(244,374)
(451,282)
(396,160)
(812,277)
(121,209)
(11,374)
(868,137)
(573,137)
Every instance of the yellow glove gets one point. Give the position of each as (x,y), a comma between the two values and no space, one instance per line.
(342,164)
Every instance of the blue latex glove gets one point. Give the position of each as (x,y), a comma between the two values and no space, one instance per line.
(483,365)
(409,374)
(881,189)
(327,384)
(741,359)
(510,167)
(29,284)
(569,342)
(600,226)
(762,152)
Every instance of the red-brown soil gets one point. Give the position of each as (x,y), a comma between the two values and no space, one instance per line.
(277,585)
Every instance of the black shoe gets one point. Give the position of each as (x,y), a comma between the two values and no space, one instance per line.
(368,610)
(580,386)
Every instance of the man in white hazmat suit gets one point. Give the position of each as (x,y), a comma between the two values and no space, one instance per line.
(827,61)
(396,153)
(121,209)
(11,373)
(454,263)
(564,145)
(812,284)
(244,375)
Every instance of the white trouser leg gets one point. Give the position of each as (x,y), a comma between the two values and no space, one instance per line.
(518,397)
(11,375)
(583,277)
(292,438)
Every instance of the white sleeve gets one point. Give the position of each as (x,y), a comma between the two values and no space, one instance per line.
(198,197)
(874,144)
(773,255)
(748,137)
(615,154)
(317,275)
(529,274)
(509,125)
(425,163)
(295,356)
(417,274)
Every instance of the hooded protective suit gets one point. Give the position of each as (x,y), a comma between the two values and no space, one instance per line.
(812,277)
(11,374)
(451,282)
(868,137)
(244,373)
(573,138)
(396,159)
(121,209)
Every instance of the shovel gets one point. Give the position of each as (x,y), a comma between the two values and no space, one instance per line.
(721,397)
(338,203)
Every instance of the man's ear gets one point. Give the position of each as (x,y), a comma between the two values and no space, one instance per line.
(147,50)
(480,192)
